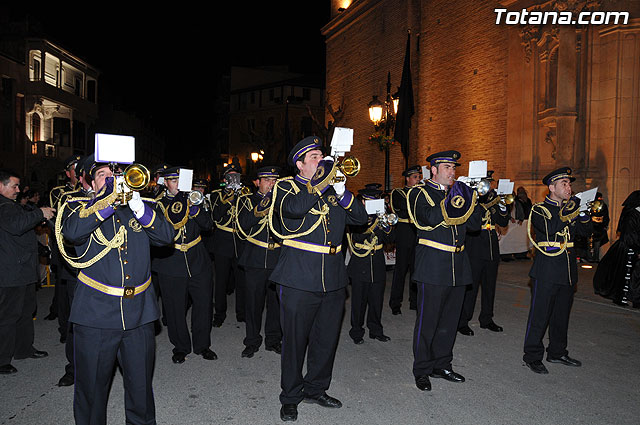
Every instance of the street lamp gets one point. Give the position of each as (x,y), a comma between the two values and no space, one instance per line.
(383,117)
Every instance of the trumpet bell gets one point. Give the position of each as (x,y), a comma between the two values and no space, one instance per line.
(483,187)
(136,177)
(389,219)
(508,199)
(195,197)
(350,166)
(595,206)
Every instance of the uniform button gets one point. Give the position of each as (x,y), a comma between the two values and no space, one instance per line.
(126,261)
(118,220)
(127,277)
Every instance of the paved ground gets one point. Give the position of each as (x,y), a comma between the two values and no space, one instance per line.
(374,380)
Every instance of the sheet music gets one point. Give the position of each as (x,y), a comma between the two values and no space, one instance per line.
(185,178)
(586,197)
(505,187)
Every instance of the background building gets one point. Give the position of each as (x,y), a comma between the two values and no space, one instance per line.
(271,109)
(527,99)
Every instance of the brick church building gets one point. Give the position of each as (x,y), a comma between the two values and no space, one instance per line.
(528,98)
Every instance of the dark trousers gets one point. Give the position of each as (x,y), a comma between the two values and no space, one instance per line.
(16,322)
(224,268)
(64,307)
(436,326)
(405,253)
(310,325)
(550,307)
(366,295)
(68,346)
(485,274)
(258,291)
(176,292)
(96,352)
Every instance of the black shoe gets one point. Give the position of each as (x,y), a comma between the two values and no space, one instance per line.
(67,380)
(276,348)
(38,354)
(51,316)
(565,360)
(413,307)
(381,338)
(492,327)
(466,330)
(208,354)
(423,383)
(395,311)
(358,341)
(240,319)
(178,358)
(217,323)
(7,369)
(249,351)
(63,339)
(324,400)
(289,412)
(537,367)
(447,374)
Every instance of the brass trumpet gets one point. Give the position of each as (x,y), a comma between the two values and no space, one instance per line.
(507,199)
(595,206)
(388,219)
(482,186)
(349,166)
(196,197)
(135,177)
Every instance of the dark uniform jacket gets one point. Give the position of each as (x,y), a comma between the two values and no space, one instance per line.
(440,257)
(18,244)
(55,195)
(483,244)
(261,249)
(312,223)
(226,241)
(125,263)
(187,255)
(555,226)
(367,262)
(63,269)
(405,230)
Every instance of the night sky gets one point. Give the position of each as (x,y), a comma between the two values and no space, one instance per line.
(158,62)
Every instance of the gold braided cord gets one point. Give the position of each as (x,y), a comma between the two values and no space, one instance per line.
(179,224)
(249,206)
(118,239)
(100,204)
(570,216)
(218,193)
(411,208)
(459,220)
(321,213)
(368,246)
(491,202)
(393,210)
(546,214)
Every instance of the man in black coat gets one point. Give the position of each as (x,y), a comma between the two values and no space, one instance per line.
(18,273)
(258,259)
(185,273)
(405,242)
(484,255)
(114,303)
(367,270)
(312,211)
(443,210)
(227,247)
(556,222)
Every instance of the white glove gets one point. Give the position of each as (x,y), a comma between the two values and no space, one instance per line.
(136,204)
(339,187)
(503,207)
(328,158)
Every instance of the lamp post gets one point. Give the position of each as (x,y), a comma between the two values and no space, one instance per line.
(383,117)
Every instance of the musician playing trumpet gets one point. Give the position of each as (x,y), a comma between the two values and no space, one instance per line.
(185,271)
(554,222)
(309,214)
(228,246)
(367,269)
(484,256)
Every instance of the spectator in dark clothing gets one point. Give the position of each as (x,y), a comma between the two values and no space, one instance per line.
(18,273)
(522,205)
